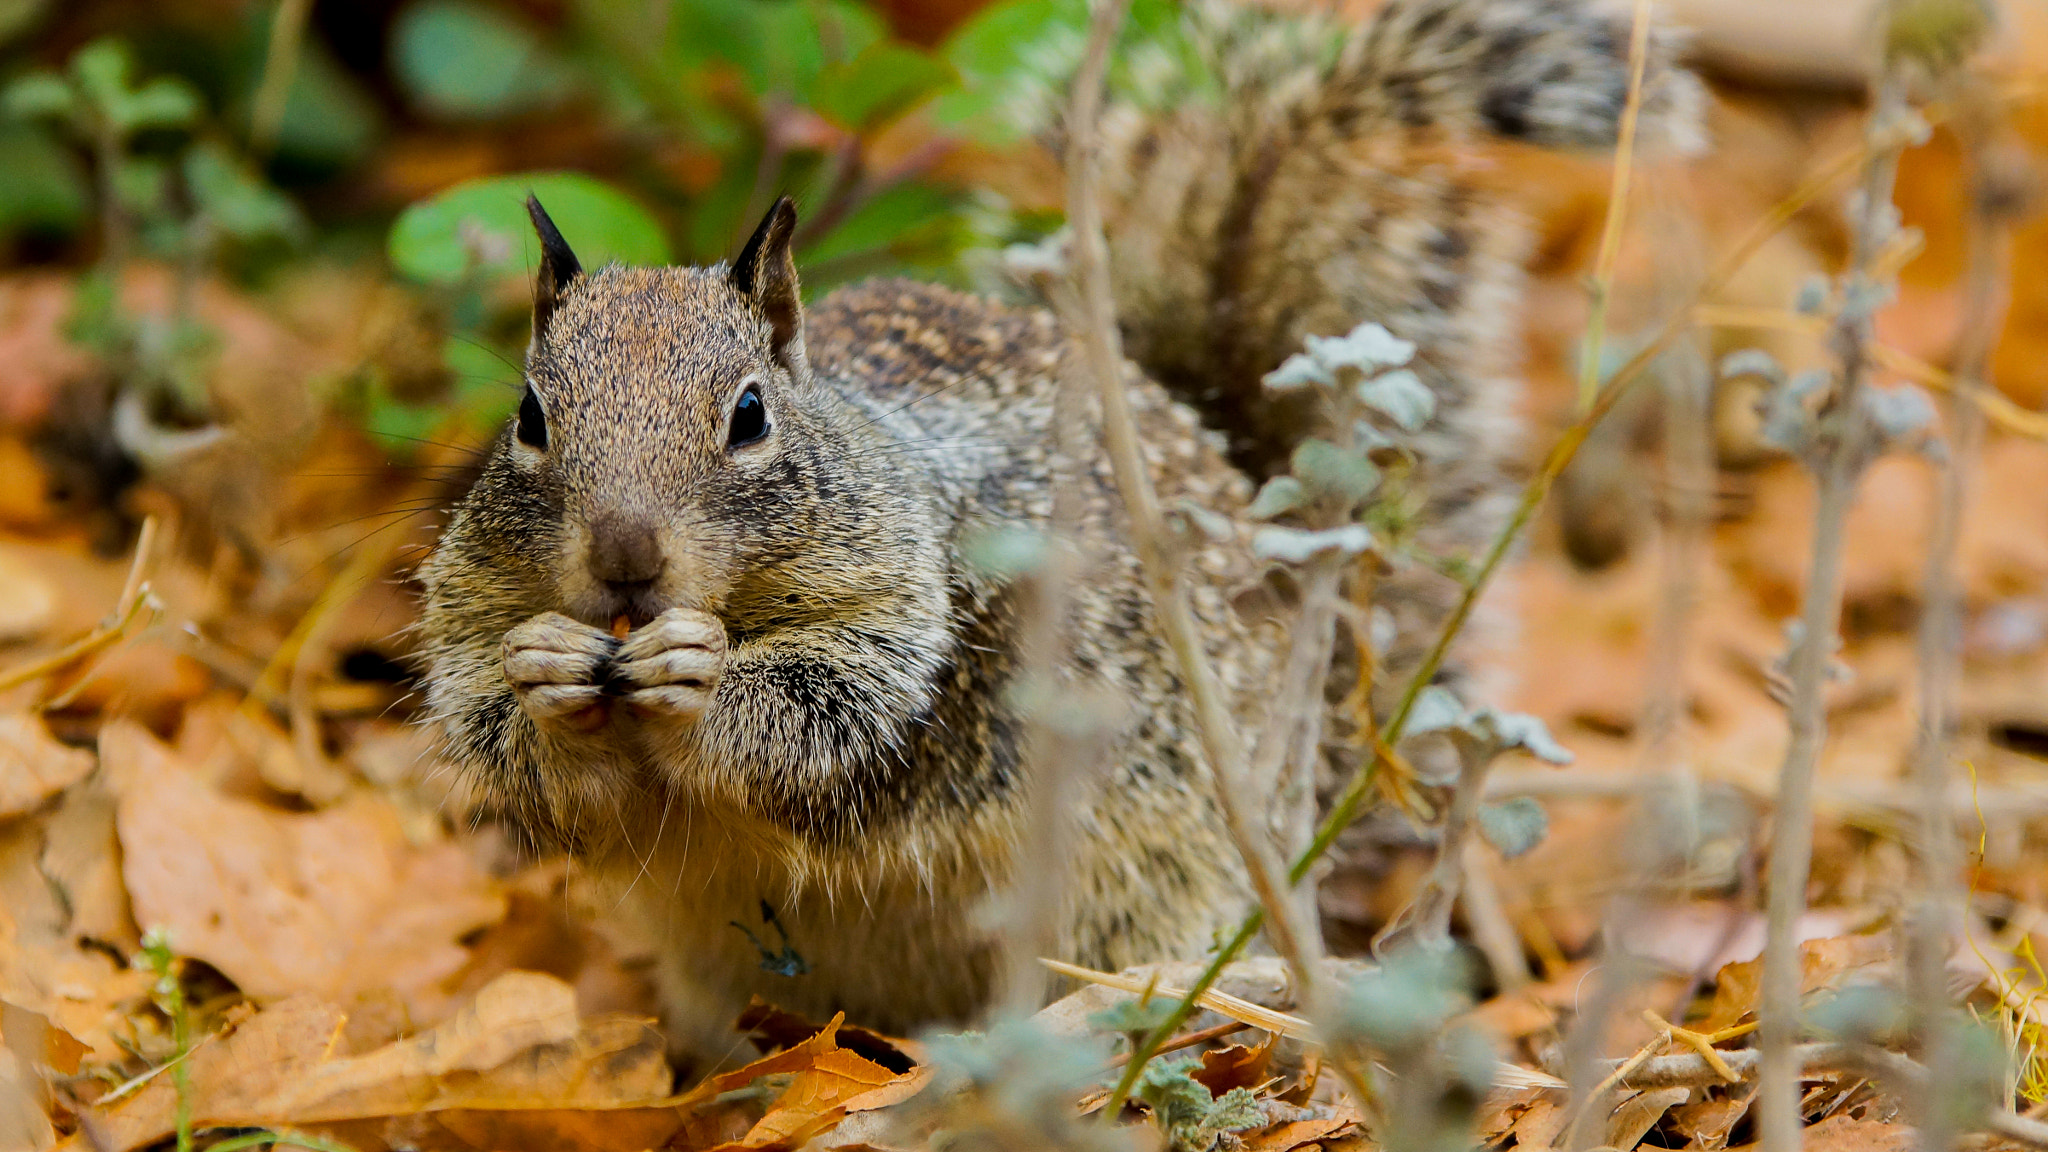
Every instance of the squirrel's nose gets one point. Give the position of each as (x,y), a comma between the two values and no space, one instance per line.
(624,551)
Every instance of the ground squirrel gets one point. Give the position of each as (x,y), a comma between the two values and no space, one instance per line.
(709,616)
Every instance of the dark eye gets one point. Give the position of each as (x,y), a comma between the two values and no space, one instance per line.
(749,419)
(533,422)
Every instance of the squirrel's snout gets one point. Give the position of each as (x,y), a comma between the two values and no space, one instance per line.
(625,553)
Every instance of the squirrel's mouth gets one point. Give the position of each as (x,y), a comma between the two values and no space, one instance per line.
(622,607)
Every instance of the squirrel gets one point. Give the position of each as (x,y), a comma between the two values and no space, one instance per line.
(710,616)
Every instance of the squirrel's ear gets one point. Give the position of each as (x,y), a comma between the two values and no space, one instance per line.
(765,273)
(558,266)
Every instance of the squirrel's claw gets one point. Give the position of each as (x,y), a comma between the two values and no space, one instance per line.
(670,668)
(557,667)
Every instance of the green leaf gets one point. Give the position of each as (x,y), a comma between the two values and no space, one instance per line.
(165,102)
(1011,57)
(480,227)
(466,60)
(101,69)
(40,94)
(1188,1116)
(778,46)
(238,203)
(42,185)
(883,82)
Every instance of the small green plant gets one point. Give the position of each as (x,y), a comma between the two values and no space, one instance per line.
(167,992)
(181,204)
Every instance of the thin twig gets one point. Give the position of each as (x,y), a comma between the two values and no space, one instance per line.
(134,603)
(1188,1040)
(1363,783)
(1096,327)
(1062,741)
(1617,208)
(1845,439)
(1934,922)
(280,65)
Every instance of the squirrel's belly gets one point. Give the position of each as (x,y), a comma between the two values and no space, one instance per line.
(729,925)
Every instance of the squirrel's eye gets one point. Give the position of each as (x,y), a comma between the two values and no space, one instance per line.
(749,419)
(533,422)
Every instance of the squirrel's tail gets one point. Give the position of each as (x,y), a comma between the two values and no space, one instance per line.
(1549,72)
(1289,177)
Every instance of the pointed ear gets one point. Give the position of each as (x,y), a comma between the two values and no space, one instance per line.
(558,267)
(765,273)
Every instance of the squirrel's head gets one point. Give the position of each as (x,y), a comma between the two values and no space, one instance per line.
(674,442)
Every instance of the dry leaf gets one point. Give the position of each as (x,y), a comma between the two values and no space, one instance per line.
(1236,1066)
(1705,1124)
(1635,1116)
(35,765)
(330,903)
(1822,964)
(1300,1133)
(836,1083)
(517,1049)
(773,1027)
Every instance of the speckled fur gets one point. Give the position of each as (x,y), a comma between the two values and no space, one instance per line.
(1319,195)
(858,767)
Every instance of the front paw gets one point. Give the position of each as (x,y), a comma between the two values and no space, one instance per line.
(669,669)
(557,668)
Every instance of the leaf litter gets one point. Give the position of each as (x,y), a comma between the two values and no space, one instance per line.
(366,962)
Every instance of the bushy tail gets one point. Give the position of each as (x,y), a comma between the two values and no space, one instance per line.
(1269,176)
(1272,176)
(1550,72)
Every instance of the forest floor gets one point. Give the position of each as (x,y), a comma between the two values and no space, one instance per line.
(215,742)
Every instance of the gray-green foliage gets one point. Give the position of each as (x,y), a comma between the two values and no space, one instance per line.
(1013,1087)
(1335,490)
(1188,1116)
(1403,1014)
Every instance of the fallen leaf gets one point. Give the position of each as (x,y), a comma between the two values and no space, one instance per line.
(836,1083)
(1706,1124)
(35,765)
(517,1049)
(1236,1066)
(1822,964)
(1299,1133)
(773,1027)
(1635,1116)
(330,903)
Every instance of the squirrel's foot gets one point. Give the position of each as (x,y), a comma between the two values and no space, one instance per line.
(669,669)
(557,668)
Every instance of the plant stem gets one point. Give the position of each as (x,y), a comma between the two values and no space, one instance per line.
(280,65)
(1363,784)
(1934,921)
(1617,208)
(1097,330)
(1845,440)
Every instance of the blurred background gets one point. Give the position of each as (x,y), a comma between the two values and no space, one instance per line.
(265,288)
